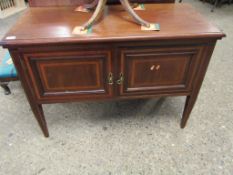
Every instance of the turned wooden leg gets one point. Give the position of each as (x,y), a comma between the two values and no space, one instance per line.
(39,115)
(7,90)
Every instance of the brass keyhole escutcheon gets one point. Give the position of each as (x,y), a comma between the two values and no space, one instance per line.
(121,79)
(110,78)
(155,67)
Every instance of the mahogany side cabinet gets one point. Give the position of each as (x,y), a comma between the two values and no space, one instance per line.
(117,60)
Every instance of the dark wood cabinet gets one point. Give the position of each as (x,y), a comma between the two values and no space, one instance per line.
(116,61)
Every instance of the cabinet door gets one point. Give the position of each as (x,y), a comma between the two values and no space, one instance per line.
(69,75)
(157,70)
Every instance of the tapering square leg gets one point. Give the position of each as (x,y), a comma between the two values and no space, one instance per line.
(39,115)
(189,103)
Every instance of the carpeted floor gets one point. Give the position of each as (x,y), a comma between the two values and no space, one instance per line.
(139,137)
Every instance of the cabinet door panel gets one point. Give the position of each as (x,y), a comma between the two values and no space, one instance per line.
(158,70)
(69,74)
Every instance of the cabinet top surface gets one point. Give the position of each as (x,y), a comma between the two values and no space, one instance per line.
(55,25)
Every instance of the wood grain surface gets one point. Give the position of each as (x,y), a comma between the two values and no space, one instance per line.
(54,25)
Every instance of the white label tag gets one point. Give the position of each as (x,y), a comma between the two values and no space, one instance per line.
(10,37)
